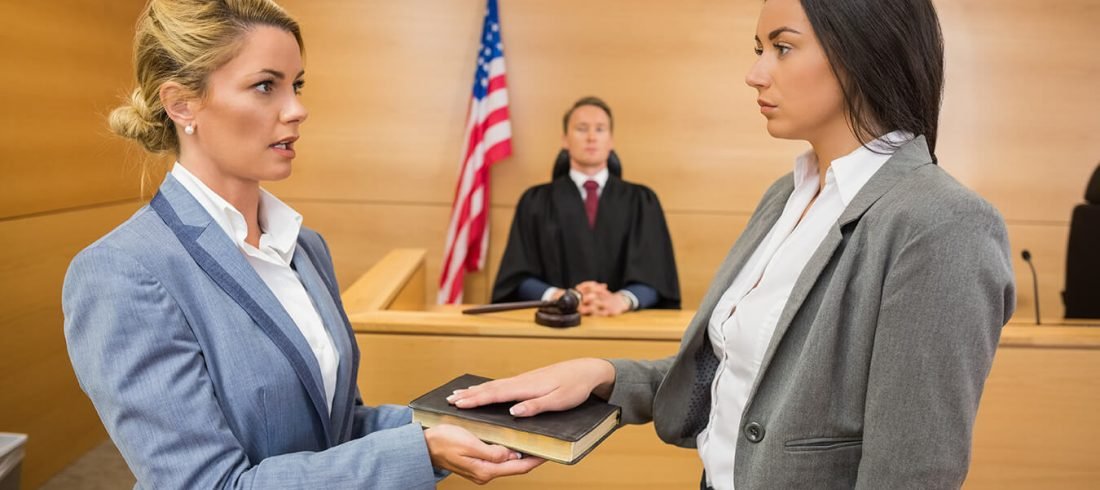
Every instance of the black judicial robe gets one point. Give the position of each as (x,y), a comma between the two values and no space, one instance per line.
(550,240)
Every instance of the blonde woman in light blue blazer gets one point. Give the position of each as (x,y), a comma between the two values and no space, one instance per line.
(208,329)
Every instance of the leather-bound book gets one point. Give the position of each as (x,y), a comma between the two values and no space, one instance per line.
(563,437)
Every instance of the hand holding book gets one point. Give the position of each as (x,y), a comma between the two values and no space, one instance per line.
(457,450)
(556,387)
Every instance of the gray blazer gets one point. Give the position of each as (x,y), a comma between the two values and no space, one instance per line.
(203,380)
(873,376)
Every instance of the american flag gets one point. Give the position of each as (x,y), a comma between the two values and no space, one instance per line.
(488,139)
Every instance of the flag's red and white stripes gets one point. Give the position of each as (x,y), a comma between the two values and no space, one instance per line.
(488,139)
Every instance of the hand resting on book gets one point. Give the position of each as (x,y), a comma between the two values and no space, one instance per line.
(552,388)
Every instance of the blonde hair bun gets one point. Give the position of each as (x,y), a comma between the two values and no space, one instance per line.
(136,121)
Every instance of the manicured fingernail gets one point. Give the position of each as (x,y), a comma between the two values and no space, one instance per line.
(516,455)
(451,399)
(517,410)
(462,403)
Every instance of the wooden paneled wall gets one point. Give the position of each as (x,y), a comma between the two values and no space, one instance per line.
(389,83)
(66,63)
(388,87)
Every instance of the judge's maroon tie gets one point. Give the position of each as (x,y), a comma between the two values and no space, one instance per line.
(591,201)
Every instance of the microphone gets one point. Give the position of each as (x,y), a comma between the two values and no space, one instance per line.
(1034,281)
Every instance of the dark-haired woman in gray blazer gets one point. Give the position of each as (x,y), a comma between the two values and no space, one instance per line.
(846,338)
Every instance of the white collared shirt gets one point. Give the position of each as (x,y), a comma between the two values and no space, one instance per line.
(579,178)
(271,260)
(744,320)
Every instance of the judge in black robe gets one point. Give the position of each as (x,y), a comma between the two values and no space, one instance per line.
(552,245)
(619,258)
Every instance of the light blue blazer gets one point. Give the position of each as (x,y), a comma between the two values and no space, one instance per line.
(201,377)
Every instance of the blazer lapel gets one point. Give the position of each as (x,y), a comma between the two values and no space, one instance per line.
(322,296)
(688,381)
(758,227)
(905,159)
(802,287)
(226,266)
(909,157)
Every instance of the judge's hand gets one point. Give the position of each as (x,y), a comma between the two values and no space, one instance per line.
(612,304)
(593,295)
(597,300)
(555,387)
(457,450)
(605,303)
(590,287)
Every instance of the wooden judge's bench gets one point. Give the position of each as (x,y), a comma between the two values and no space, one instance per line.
(1038,425)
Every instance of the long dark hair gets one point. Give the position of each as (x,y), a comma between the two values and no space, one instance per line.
(888,56)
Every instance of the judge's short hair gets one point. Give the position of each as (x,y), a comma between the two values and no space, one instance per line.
(583,101)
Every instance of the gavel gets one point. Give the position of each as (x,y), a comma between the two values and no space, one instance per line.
(559,313)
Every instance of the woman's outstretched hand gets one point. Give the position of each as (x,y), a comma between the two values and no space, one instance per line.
(552,388)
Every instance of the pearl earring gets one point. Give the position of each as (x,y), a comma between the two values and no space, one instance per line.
(189,129)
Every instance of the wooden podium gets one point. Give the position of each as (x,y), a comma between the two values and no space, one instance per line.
(1038,425)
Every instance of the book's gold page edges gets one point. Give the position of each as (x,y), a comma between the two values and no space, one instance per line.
(525,442)
(594,436)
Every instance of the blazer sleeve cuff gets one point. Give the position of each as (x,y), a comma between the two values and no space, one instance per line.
(636,384)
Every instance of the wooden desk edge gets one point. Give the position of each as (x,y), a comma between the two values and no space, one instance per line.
(515,324)
(456,324)
(378,287)
(369,300)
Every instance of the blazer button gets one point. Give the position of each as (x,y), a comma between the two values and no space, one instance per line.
(754,432)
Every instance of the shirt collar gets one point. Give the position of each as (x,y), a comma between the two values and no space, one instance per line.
(279,222)
(281,225)
(579,178)
(852,171)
